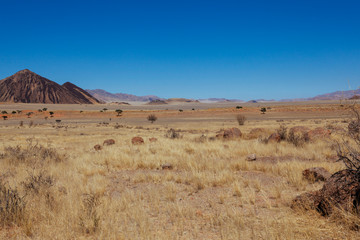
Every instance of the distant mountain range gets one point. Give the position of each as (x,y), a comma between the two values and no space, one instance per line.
(118,97)
(328,96)
(26,86)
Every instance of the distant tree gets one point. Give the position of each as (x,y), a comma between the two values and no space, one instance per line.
(105,109)
(4,117)
(118,111)
(193,109)
(44,109)
(40,110)
(180,110)
(51,114)
(4,112)
(29,114)
(13,112)
(263,110)
(81,111)
(18,111)
(152,118)
(239,107)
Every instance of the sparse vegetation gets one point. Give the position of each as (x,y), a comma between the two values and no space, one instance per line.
(152,118)
(119,112)
(240,119)
(5,117)
(239,107)
(51,114)
(28,114)
(263,110)
(67,189)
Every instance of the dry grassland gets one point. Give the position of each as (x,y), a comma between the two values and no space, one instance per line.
(54,185)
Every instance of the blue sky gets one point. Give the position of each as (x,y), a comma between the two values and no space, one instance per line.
(193,49)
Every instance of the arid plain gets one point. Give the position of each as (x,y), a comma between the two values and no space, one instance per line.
(186,184)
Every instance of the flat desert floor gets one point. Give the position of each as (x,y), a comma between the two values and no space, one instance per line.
(186,184)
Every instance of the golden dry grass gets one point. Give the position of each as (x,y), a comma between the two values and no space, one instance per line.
(72,191)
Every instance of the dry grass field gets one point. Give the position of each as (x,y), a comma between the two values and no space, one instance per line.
(55,185)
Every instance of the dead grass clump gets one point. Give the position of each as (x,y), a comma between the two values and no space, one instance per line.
(31,154)
(282,131)
(240,119)
(173,134)
(36,182)
(89,219)
(12,206)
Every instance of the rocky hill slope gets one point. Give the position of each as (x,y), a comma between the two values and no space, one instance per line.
(26,86)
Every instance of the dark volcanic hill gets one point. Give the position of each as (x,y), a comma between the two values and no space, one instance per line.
(80,93)
(26,86)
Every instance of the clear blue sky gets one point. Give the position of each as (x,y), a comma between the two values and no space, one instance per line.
(194,49)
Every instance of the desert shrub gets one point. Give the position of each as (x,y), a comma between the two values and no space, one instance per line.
(35,182)
(89,219)
(241,119)
(282,131)
(40,110)
(263,110)
(172,133)
(58,120)
(152,118)
(44,109)
(32,154)
(13,112)
(298,139)
(39,187)
(4,117)
(239,107)
(263,139)
(180,110)
(4,112)
(12,206)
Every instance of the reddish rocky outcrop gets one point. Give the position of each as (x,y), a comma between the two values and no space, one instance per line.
(275,137)
(229,133)
(97,147)
(153,139)
(316,174)
(137,140)
(318,133)
(299,129)
(257,132)
(109,142)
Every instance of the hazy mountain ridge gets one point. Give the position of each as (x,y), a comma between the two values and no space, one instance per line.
(118,97)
